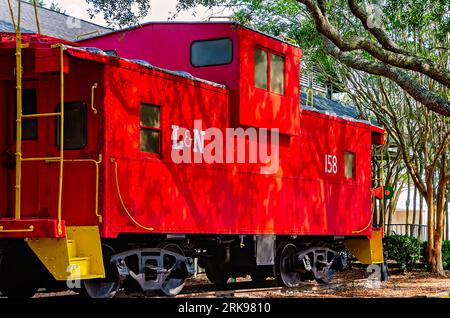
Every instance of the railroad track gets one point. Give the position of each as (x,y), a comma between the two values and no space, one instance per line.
(229,290)
(236,288)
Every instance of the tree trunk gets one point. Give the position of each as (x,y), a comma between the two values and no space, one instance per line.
(421,211)
(431,253)
(414,226)
(445,222)
(440,207)
(408,200)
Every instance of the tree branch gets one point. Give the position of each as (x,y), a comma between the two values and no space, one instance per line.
(378,33)
(427,98)
(403,61)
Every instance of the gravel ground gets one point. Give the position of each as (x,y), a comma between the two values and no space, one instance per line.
(355,283)
(350,283)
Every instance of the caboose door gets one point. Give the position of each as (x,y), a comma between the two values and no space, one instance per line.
(3,153)
(30,148)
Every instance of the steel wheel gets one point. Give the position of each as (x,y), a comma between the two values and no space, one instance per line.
(172,286)
(283,273)
(108,286)
(327,276)
(217,271)
(258,277)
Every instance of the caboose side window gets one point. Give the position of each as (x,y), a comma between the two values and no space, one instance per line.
(350,165)
(211,52)
(75,126)
(261,67)
(269,71)
(277,74)
(29,107)
(150,128)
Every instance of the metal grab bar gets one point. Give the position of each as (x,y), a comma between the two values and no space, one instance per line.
(92,98)
(119,194)
(97,177)
(30,229)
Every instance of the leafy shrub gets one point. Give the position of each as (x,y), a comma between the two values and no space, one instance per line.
(445,253)
(405,250)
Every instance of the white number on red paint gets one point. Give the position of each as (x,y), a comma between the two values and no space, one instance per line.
(331,164)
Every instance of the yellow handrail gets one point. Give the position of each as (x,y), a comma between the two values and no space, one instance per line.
(97,173)
(19,113)
(373,200)
(92,98)
(37,17)
(123,204)
(61,136)
(310,96)
(87,34)
(12,15)
(41,115)
(366,227)
(383,182)
(30,229)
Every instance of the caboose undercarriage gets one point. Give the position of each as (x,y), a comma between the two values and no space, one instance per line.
(162,263)
(89,189)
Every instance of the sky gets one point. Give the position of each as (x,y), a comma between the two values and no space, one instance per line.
(160,11)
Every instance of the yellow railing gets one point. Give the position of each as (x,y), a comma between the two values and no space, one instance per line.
(37,17)
(309,97)
(119,194)
(19,110)
(79,37)
(93,88)
(97,178)
(21,116)
(29,229)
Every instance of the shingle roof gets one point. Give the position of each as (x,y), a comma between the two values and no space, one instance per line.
(330,106)
(52,23)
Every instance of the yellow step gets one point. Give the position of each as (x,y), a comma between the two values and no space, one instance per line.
(76,256)
(79,266)
(72,248)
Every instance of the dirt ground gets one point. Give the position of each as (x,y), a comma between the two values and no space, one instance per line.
(356,283)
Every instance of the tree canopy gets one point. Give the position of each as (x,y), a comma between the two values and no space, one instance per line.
(377,38)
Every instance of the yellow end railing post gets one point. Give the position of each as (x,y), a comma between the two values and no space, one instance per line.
(61,140)
(37,17)
(19,114)
(383,208)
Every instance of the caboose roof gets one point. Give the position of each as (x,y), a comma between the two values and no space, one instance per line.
(7,40)
(96,54)
(199,23)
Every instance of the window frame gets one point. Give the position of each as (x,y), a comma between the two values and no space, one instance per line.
(58,124)
(210,40)
(24,120)
(151,128)
(353,178)
(269,79)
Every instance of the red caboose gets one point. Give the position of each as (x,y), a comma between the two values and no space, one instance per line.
(121,165)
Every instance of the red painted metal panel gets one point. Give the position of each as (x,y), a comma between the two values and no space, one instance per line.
(168,45)
(263,108)
(40,228)
(48,60)
(302,198)
(3,149)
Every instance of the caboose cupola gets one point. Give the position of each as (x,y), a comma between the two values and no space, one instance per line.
(261,72)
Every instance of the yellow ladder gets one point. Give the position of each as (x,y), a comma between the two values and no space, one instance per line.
(21,116)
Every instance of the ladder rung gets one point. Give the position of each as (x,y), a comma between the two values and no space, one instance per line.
(41,115)
(42,159)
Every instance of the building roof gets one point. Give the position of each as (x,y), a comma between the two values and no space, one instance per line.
(329,106)
(52,23)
